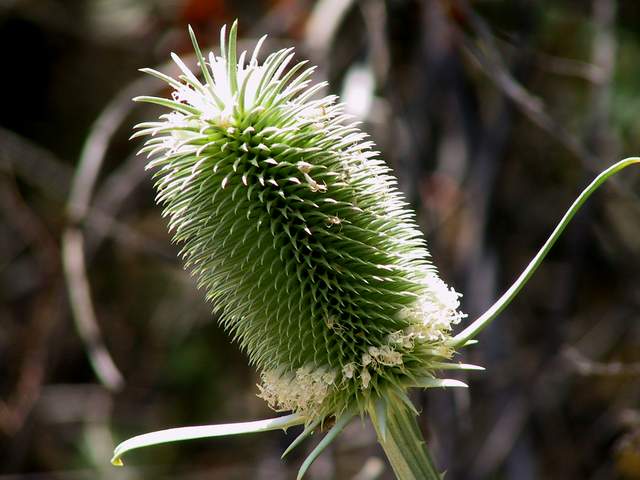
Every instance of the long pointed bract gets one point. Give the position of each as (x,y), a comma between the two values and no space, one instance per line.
(507,297)
(203,431)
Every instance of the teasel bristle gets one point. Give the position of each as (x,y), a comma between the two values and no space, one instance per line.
(297,233)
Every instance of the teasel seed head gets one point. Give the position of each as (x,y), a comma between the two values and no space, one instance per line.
(297,233)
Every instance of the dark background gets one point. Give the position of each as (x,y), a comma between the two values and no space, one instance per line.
(494,114)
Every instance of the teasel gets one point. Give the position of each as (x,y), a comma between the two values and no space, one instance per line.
(297,233)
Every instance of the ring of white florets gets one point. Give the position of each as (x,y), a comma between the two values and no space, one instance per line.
(302,391)
(433,315)
(431,319)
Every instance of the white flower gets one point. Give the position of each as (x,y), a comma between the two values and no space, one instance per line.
(302,391)
(365,378)
(433,314)
(348,370)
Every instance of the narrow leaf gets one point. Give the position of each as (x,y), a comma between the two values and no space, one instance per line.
(205,71)
(324,443)
(487,317)
(439,383)
(165,78)
(402,395)
(381,418)
(203,431)
(181,107)
(232,67)
(298,440)
(455,366)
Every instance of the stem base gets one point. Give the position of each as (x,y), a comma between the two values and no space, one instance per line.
(402,441)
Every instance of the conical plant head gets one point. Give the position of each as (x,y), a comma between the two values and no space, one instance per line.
(297,233)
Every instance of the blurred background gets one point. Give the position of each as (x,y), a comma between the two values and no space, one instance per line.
(494,114)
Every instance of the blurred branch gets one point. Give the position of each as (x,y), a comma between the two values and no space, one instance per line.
(45,315)
(105,225)
(41,169)
(35,165)
(562,66)
(78,208)
(102,220)
(83,311)
(119,185)
(374,13)
(372,469)
(569,67)
(281,19)
(114,191)
(95,148)
(599,133)
(28,225)
(97,142)
(485,54)
(44,312)
(91,159)
(587,367)
(323,24)
(503,436)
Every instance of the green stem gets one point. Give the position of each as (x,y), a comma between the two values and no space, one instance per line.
(400,437)
(487,317)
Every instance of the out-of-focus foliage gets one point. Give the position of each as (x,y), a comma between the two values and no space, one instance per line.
(493,115)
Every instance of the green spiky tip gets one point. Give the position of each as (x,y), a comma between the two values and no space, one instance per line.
(297,233)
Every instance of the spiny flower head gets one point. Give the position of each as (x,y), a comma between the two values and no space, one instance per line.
(296,231)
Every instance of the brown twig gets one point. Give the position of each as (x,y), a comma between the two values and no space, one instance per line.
(599,134)
(79,212)
(45,311)
(113,193)
(323,24)
(78,206)
(587,367)
(36,165)
(484,53)
(83,311)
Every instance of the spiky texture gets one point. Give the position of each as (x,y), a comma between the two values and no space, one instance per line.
(297,233)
